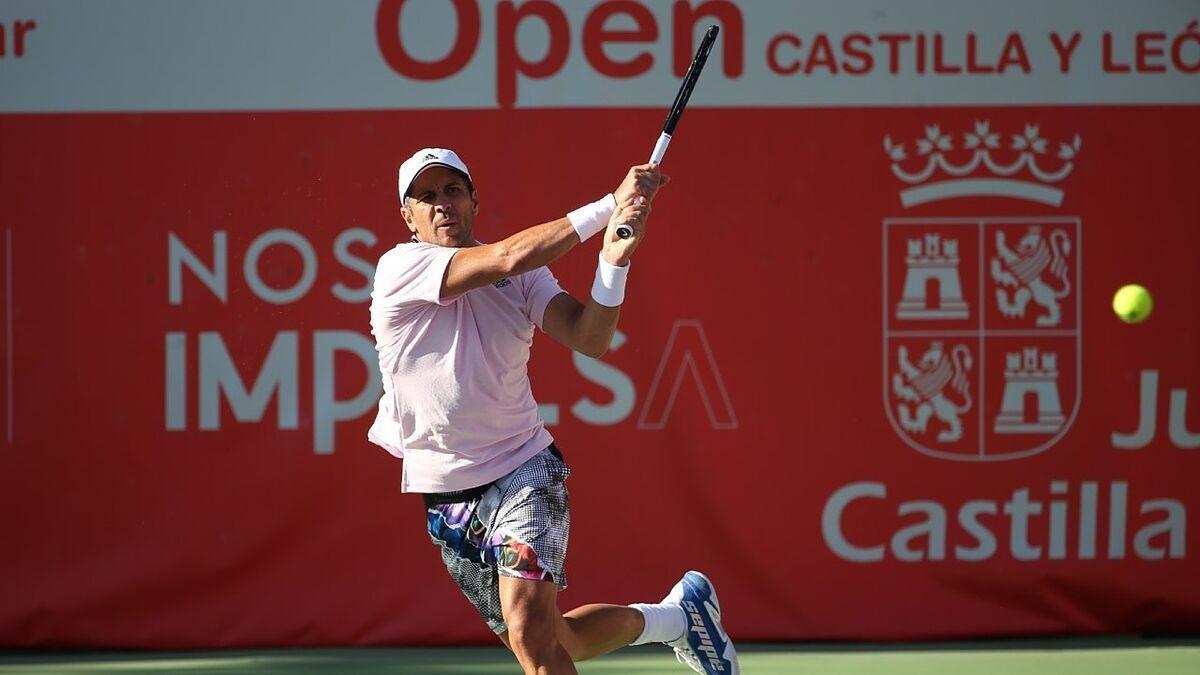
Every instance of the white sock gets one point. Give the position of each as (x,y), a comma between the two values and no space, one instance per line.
(664,623)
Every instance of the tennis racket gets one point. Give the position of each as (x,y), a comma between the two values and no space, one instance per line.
(681,101)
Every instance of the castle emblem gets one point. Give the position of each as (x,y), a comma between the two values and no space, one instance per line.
(1025,373)
(981,314)
(931,259)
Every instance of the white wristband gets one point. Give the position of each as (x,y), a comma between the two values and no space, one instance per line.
(609,287)
(592,218)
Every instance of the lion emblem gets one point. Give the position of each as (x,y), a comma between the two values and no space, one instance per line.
(925,385)
(1024,271)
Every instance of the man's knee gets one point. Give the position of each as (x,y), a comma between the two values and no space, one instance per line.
(532,617)
(531,630)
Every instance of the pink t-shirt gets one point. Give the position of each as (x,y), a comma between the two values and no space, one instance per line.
(456,400)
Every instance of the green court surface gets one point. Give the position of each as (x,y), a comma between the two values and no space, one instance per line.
(1105,656)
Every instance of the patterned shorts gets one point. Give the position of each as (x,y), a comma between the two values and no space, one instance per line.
(516,527)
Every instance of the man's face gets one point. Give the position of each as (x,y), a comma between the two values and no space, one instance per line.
(441,208)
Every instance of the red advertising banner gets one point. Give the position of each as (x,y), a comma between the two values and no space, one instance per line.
(867,375)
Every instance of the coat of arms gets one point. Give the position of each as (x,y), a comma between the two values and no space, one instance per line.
(981,315)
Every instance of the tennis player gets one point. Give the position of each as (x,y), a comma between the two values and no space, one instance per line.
(453,322)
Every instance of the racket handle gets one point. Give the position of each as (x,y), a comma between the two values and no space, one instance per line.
(660,149)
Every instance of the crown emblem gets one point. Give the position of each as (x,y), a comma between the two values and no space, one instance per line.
(981,166)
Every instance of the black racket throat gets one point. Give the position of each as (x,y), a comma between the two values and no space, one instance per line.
(689,79)
(624,231)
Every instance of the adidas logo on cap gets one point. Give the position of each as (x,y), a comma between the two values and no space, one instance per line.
(427,157)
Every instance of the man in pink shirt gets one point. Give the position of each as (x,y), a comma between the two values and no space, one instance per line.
(453,322)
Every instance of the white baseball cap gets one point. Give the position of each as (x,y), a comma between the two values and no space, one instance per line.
(425,158)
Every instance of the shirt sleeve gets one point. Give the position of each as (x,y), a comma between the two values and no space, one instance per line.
(539,287)
(413,273)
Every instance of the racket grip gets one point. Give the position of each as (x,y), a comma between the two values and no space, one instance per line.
(660,149)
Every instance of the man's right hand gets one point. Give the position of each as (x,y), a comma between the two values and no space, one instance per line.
(635,213)
(644,180)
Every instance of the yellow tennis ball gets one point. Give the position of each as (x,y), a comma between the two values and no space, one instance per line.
(1132,303)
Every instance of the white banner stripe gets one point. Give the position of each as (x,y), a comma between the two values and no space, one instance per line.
(179,55)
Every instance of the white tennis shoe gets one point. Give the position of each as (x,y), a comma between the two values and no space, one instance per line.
(704,647)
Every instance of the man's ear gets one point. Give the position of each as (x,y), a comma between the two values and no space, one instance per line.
(406,213)
(475,202)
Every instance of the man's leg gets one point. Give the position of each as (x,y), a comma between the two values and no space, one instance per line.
(594,630)
(528,537)
(533,621)
(584,632)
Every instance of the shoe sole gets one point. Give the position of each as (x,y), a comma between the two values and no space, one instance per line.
(729,654)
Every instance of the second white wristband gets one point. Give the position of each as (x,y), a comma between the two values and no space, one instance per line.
(609,287)
(592,218)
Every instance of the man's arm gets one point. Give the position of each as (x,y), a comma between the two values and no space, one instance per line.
(529,249)
(589,328)
(537,246)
